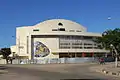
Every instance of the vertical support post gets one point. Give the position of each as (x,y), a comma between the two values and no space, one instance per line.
(75,55)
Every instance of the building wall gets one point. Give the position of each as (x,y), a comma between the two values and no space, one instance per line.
(47,26)
(21,40)
(51,43)
(13,50)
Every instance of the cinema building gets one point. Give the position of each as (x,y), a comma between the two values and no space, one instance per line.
(56,38)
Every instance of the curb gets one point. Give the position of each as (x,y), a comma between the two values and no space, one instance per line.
(111,73)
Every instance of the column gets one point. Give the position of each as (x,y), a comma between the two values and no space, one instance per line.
(75,55)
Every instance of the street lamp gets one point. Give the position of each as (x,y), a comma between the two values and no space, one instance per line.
(116,59)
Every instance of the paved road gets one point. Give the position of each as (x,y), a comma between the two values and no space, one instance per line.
(52,72)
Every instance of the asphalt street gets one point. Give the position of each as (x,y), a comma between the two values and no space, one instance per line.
(52,72)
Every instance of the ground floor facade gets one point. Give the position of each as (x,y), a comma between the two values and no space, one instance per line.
(39,46)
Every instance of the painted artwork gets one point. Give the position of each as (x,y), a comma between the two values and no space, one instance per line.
(40,50)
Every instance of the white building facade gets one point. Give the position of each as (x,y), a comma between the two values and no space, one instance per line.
(56,38)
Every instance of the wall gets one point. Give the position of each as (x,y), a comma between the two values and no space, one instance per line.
(2,61)
(51,43)
(21,40)
(13,50)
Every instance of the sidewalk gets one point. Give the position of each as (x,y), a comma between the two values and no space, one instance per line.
(108,68)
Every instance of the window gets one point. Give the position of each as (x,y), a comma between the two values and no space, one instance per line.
(87,44)
(96,48)
(76,43)
(88,47)
(87,37)
(36,30)
(60,24)
(64,47)
(76,47)
(71,30)
(61,29)
(78,31)
(88,55)
(54,29)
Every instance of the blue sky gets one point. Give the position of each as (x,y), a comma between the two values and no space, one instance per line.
(89,13)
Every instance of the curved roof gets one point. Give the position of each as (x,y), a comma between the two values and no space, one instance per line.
(61,23)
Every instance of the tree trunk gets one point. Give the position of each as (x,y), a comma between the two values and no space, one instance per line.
(6,61)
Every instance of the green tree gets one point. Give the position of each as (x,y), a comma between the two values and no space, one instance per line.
(5,52)
(110,37)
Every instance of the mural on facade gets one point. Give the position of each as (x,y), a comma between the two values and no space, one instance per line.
(40,50)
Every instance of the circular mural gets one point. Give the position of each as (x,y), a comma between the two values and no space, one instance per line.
(40,50)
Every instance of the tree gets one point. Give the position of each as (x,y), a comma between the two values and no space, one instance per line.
(5,52)
(110,37)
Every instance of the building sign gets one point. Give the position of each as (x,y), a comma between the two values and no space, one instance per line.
(40,50)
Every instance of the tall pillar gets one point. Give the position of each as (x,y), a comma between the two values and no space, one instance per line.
(75,55)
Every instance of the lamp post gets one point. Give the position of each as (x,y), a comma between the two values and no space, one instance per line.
(116,59)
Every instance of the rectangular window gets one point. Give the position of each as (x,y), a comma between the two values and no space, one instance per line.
(64,47)
(78,31)
(36,30)
(54,29)
(87,44)
(61,29)
(71,30)
(88,37)
(76,47)
(76,43)
(88,47)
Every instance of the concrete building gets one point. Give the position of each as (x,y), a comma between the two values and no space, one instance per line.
(56,38)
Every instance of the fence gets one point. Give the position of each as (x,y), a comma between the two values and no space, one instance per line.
(53,60)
